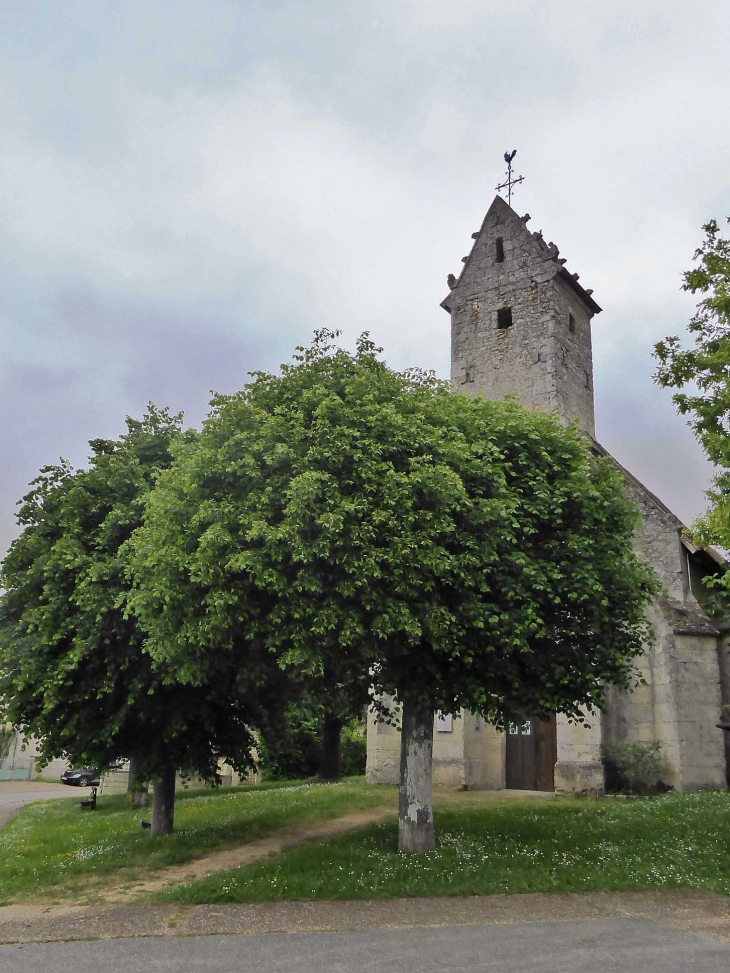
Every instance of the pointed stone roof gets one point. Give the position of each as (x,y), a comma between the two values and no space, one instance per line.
(500,212)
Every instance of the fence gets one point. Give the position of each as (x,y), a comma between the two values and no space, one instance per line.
(17,768)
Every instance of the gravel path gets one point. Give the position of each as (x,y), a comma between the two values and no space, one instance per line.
(698,912)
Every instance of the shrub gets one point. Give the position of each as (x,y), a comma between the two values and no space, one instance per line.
(633,766)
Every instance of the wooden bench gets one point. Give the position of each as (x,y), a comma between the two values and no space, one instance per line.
(90,803)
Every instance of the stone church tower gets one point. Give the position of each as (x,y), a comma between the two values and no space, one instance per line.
(521,325)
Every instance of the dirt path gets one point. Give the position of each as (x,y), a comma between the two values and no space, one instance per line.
(252,851)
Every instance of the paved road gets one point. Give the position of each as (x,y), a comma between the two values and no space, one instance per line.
(14,794)
(608,945)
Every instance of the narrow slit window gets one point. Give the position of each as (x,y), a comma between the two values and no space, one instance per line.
(571,324)
(504,318)
(499,250)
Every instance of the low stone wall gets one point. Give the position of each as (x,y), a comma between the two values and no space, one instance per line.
(115,782)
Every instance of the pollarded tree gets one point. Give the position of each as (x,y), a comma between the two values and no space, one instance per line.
(73,670)
(455,552)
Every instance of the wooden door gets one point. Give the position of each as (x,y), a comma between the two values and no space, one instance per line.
(531,755)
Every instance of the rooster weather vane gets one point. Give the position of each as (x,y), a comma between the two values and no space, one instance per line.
(509,181)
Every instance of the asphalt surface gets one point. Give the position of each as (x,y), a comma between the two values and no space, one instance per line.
(608,945)
(16,794)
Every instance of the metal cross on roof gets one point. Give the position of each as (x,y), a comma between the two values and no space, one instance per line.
(509,181)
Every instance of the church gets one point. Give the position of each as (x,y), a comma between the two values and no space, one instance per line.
(521,325)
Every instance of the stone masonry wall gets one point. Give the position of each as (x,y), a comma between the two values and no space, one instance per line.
(679,703)
(471,754)
(450,766)
(724,661)
(485,752)
(680,700)
(658,542)
(647,714)
(579,769)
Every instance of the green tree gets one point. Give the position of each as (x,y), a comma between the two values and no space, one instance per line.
(6,738)
(452,552)
(335,697)
(73,670)
(702,374)
(307,735)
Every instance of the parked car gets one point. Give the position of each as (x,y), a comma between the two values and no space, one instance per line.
(81,777)
(86,777)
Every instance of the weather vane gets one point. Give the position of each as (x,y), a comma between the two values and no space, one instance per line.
(509,181)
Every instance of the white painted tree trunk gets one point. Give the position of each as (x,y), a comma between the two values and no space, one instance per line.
(415,813)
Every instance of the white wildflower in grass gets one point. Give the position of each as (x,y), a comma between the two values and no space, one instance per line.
(573,846)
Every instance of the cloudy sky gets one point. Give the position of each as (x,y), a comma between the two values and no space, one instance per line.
(190,187)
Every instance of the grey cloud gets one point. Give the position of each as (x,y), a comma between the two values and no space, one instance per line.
(188,190)
(127,360)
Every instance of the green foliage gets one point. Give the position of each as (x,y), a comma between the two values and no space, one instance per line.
(73,670)
(632,766)
(358,521)
(502,848)
(702,374)
(50,848)
(354,749)
(290,732)
(290,748)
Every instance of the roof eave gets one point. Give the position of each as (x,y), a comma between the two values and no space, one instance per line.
(580,291)
(708,551)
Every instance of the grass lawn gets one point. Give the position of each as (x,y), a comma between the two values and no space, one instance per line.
(52,847)
(677,841)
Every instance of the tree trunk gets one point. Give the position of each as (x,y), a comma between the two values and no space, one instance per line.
(329,767)
(163,802)
(415,814)
(136,787)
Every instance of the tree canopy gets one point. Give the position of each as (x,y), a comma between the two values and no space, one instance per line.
(451,551)
(73,670)
(702,374)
